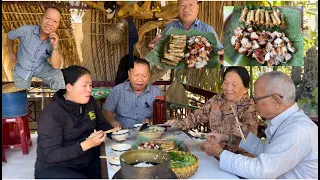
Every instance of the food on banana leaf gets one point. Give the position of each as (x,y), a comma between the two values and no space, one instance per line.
(159,145)
(175,50)
(273,47)
(262,18)
(198,54)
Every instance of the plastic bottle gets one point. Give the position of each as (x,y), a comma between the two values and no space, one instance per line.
(163,110)
(159,110)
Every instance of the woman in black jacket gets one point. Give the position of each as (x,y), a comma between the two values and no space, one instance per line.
(70,131)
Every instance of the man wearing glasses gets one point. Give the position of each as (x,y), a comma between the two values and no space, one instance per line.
(291,146)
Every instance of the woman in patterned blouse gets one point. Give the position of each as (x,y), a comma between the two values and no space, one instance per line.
(218,113)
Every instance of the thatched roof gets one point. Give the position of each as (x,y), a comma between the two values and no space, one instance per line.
(16,14)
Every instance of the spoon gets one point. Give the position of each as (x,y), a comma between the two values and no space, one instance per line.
(144,127)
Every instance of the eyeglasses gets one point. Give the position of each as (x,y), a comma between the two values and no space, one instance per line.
(256,99)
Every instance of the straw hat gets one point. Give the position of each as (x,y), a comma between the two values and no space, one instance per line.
(10,88)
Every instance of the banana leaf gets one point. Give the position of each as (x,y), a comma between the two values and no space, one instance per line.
(140,139)
(154,56)
(293,32)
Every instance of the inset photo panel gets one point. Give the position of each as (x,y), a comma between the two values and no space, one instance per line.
(189,40)
(263,36)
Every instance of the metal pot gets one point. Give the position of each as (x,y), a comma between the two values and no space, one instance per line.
(160,160)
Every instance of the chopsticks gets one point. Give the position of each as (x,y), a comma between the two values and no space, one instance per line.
(109,157)
(236,117)
(112,130)
(106,132)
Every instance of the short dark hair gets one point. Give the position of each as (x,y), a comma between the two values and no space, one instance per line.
(141,61)
(242,72)
(72,73)
(52,7)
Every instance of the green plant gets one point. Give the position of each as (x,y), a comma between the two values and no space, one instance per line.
(310,105)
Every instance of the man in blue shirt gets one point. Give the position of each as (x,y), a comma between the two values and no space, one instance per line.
(37,43)
(188,12)
(131,102)
(291,147)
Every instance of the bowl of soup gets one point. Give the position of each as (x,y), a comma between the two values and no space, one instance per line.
(152,132)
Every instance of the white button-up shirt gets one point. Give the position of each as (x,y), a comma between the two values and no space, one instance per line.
(290,150)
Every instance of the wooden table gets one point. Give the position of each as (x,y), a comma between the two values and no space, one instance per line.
(104,166)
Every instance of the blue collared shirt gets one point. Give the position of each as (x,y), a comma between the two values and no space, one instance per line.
(290,150)
(197,25)
(129,107)
(32,52)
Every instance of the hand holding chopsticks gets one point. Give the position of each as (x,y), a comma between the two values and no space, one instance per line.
(236,117)
(105,132)
(112,130)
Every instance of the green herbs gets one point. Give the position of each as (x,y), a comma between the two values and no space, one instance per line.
(181,160)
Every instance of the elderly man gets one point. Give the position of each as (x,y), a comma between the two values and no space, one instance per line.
(291,147)
(131,102)
(188,12)
(37,43)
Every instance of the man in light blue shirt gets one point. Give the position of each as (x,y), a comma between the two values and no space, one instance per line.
(37,43)
(188,12)
(291,147)
(131,102)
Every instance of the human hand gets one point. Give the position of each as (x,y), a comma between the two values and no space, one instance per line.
(54,39)
(116,124)
(147,121)
(174,123)
(212,148)
(154,42)
(218,137)
(96,138)
(236,130)
(13,57)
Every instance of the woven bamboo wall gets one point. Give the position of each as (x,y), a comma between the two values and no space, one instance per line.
(15,15)
(99,55)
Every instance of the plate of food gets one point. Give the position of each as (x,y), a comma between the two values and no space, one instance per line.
(159,144)
(185,49)
(198,136)
(260,36)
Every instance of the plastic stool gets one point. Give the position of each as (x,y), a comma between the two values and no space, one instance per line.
(16,133)
(3,156)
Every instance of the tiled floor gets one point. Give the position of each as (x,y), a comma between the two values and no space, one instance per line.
(20,166)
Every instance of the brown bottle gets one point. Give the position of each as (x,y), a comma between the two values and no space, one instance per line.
(163,110)
(159,110)
(156,107)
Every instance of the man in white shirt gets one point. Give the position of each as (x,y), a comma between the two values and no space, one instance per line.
(291,146)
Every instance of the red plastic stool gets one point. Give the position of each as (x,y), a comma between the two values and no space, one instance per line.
(16,133)
(3,156)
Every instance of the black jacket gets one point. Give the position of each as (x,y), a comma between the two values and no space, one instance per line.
(62,126)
